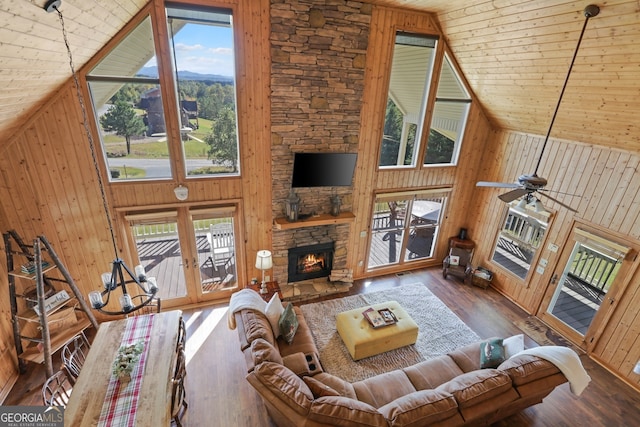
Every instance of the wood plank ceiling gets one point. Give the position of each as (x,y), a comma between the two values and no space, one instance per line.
(514,54)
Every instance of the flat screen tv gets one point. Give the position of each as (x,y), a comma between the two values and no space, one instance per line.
(323,169)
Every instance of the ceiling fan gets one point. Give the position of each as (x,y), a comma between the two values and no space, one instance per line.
(529,184)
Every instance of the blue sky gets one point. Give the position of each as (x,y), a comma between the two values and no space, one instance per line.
(204,49)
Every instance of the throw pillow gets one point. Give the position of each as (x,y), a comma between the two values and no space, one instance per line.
(288,323)
(263,351)
(513,345)
(491,353)
(273,312)
(318,388)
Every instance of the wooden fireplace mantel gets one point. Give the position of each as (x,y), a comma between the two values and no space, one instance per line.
(281,223)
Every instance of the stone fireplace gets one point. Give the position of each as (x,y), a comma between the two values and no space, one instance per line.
(310,262)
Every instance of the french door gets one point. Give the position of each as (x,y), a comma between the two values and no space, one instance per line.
(192,252)
(404,227)
(592,272)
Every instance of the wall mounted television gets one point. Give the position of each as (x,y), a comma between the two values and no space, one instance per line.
(323,169)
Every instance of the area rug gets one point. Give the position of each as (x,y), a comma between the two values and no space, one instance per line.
(440,331)
(542,334)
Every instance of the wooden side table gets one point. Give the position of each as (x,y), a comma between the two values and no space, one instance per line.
(272,288)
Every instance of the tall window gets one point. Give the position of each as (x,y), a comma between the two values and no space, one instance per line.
(411,71)
(448,119)
(519,239)
(202,51)
(126,93)
(127,101)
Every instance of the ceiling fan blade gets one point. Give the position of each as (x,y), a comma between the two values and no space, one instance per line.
(497,184)
(559,202)
(513,194)
(558,192)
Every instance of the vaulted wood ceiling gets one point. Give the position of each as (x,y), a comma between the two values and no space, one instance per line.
(513,53)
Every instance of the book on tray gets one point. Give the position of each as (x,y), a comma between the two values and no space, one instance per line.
(379,318)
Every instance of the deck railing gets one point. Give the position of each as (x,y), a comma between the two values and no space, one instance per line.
(593,269)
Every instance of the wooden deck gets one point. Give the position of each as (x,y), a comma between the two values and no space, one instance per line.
(162,259)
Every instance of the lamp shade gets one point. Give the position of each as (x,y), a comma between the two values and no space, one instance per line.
(264,260)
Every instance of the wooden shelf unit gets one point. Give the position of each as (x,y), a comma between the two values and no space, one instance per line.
(281,223)
(34,341)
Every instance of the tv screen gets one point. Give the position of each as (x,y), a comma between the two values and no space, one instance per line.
(323,169)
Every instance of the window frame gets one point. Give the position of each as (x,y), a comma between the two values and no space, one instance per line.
(535,256)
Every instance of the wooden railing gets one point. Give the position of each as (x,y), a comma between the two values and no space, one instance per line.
(592,269)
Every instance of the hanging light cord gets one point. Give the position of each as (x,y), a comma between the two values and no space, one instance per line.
(88,131)
(588,13)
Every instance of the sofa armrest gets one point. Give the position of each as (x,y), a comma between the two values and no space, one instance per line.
(302,364)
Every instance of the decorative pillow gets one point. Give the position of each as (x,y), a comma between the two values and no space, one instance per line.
(288,323)
(273,311)
(513,345)
(263,351)
(319,388)
(491,353)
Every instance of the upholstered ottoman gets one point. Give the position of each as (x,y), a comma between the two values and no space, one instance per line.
(362,340)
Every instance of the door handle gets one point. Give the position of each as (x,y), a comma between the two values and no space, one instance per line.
(195,263)
(554,279)
(186,263)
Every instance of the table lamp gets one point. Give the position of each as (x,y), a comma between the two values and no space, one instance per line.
(263,262)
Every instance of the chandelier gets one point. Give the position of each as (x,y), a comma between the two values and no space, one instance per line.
(121,276)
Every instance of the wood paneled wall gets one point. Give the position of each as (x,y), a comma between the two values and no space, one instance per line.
(369,179)
(607,182)
(49,185)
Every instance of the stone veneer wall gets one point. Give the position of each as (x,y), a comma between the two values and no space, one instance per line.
(318,51)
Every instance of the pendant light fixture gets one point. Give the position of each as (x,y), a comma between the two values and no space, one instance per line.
(120,277)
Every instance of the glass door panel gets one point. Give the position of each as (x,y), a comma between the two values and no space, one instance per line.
(583,287)
(159,251)
(591,270)
(216,252)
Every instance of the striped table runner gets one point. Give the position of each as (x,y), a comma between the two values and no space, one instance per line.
(121,400)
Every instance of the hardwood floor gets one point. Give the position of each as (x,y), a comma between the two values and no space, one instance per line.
(218,393)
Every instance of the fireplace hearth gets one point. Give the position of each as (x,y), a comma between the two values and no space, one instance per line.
(310,262)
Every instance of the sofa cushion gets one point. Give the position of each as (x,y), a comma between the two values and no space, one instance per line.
(383,388)
(527,368)
(513,345)
(420,408)
(343,411)
(286,385)
(433,372)
(344,388)
(263,351)
(475,387)
(491,353)
(256,325)
(303,341)
(273,311)
(318,388)
(288,323)
(467,357)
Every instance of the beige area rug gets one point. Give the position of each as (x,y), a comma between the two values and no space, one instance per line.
(542,334)
(440,331)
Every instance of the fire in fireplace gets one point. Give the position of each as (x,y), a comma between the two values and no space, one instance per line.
(310,262)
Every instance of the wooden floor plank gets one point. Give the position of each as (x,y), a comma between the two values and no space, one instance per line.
(217,389)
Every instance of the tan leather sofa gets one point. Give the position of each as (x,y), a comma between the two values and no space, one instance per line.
(450,390)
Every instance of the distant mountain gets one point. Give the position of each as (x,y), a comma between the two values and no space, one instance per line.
(187,75)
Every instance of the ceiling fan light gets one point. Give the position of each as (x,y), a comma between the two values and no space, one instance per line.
(538,207)
(522,205)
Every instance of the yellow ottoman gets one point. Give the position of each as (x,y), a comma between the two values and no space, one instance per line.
(362,340)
